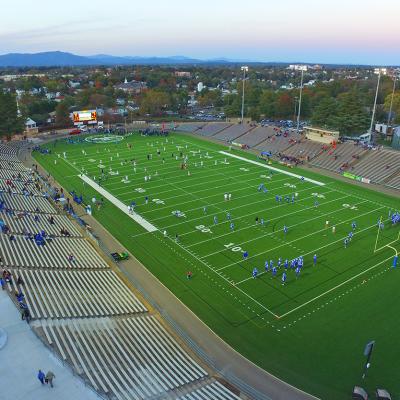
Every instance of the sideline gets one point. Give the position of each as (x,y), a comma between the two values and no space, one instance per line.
(119,204)
(271,168)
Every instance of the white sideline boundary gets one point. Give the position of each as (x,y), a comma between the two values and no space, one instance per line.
(118,203)
(271,168)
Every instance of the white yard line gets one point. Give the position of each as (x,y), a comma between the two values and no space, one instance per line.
(315,251)
(296,240)
(226,280)
(334,288)
(271,168)
(117,203)
(272,219)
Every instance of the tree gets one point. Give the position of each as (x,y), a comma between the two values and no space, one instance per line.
(10,121)
(351,116)
(396,105)
(325,113)
(210,98)
(154,102)
(62,114)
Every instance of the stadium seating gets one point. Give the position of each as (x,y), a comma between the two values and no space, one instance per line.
(233,132)
(190,126)
(378,165)
(341,158)
(394,182)
(25,223)
(19,202)
(129,358)
(214,391)
(304,150)
(22,252)
(212,128)
(84,311)
(277,144)
(67,294)
(12,164)
(256,136)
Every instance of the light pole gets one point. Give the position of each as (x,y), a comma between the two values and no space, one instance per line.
(245,69)
(295,108)
(379,72)
(396,73)
(302,68)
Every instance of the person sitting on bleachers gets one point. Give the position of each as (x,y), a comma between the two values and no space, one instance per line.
(11,238)
(7,276)
(51,220)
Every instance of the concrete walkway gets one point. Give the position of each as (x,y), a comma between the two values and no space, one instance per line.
(21,358)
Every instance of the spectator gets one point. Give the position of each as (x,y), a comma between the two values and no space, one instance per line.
(49,378)
(41,376)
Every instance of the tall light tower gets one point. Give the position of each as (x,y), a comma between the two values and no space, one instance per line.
(301,68)
(245,69)
(379,72)
(395,76)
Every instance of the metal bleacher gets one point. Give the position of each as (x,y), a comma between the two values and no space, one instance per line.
(83,310)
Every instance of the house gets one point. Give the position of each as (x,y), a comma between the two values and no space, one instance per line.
(30,127)
(133,87)
(183,74)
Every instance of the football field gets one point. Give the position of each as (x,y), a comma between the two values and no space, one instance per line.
(240,225)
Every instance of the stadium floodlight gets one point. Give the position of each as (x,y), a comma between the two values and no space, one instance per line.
(245,69)
(379,72)
(396,75)
(301,68)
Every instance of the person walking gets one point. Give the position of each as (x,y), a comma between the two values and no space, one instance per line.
(49,378)
(41,376)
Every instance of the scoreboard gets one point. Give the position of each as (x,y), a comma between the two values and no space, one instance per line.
(88,116)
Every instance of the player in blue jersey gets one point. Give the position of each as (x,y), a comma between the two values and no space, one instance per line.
(228,216)
(346,242)
(245,255)
(297,271)
(283,278)
(315,259)
(232,226)
(353,225)
(254,273)
(266,266)
(285,229)
(215,220)
(286,265)
(274,271)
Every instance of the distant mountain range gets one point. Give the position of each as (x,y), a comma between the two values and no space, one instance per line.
(59,59)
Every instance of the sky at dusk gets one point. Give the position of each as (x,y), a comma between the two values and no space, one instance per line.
(343,31)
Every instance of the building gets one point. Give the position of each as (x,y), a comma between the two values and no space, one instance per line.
(30,127)
(396,138)
(200,87)
(133,87)
(183,74)
(321,135)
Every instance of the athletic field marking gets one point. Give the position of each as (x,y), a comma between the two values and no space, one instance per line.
(226,280)
(119,204)
(272,219)
(296,240)
(272,168)
(334,288)
(313,251)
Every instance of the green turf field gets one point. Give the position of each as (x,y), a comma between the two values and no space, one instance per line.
(310,331)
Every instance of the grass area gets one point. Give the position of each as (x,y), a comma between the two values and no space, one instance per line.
(310,331)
